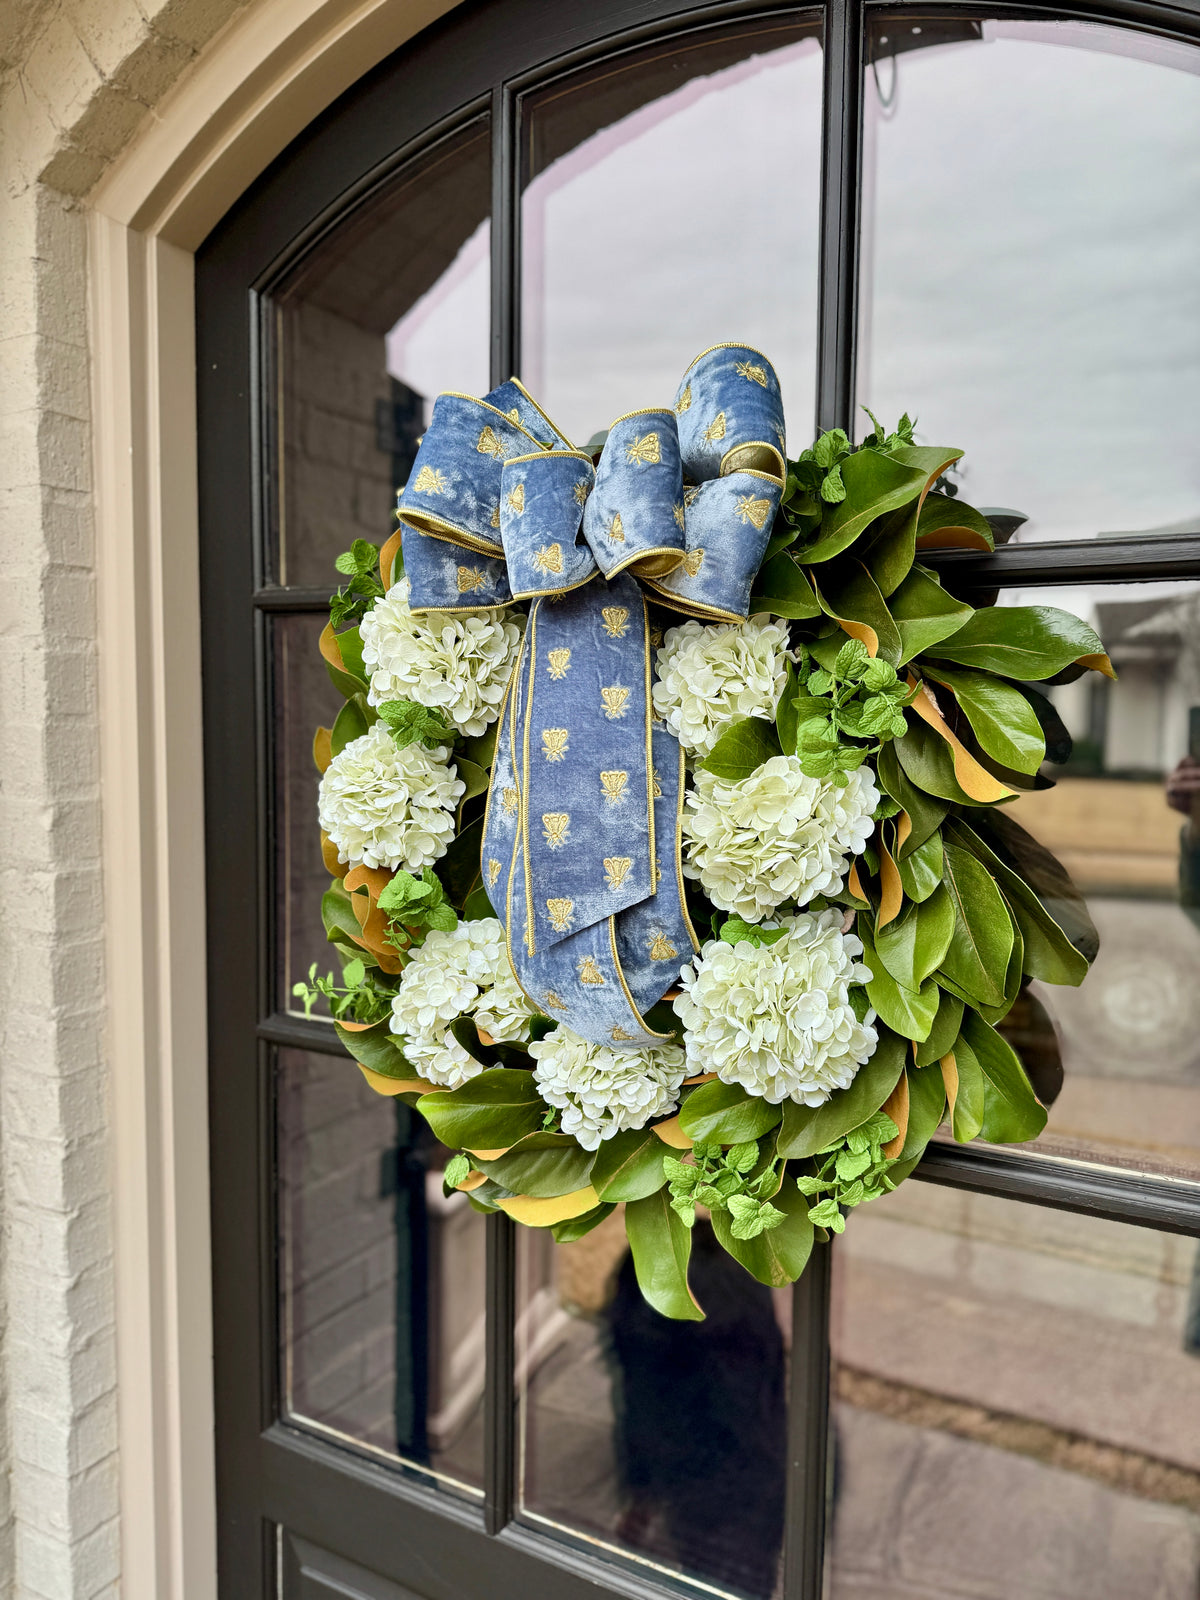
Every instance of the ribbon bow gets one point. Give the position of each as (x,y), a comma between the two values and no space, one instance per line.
(581,836)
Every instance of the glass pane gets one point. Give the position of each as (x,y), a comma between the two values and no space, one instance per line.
(390,308)
(661,1440)
(1017,1399)
(671,203)
(1122,820)
(381,1276)
(1031,288)
(304,700)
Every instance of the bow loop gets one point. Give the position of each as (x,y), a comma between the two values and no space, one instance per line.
(730,413)
(634,519)
(542,497)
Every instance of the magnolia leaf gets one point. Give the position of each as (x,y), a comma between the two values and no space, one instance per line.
(909,1012)
(928,762)
(966,1100)
(924,613)
(490,1112)
(787,711)
(742,749)
(809,1129)
(576,1227)
(475,778)
(952,524)
(459,867)
(544,1212)
(661,1244)
(377,1048)
(892,550)
(629,1166)
(725,1113)
(782,588)
(921,869)
(1001,718)
(924,811)
(945,1030)
(913,948)
(974,779)
(1026,642)
(851,597)
(349,724)
(1011,1111)
(977,961)
(541,1165)
(875,483)
(926,1108)
(1045,875)
(342,653)
(778,1255)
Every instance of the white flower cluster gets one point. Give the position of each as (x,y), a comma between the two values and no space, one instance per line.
(390,808)
(459,666)
(454,975)
(602,1091)
(774,836)
(777,1018)
(711,677)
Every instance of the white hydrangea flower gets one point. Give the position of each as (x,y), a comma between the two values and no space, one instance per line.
(459,666)
(777,1018)
(710,677)
(602,1091)
(774,836)
(390,808)
(454,975)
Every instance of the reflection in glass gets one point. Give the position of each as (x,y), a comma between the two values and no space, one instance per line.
(671,203)
(391,307)
(1031,286)
(1124,819)
(661,1440)
(381,1275)
(1018,1392)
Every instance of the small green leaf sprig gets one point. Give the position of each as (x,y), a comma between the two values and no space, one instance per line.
(860,698)
(415,905)
(854,1170)
(408,723)
(723,1180)
(362,996)
(881,439)
(354,599)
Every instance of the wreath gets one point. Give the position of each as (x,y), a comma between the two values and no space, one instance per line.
(666,819)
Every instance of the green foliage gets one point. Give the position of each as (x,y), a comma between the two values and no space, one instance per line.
(629,1166)
(779,1254)
(360,564)
(849,1171)
(725,1113)
(735,931)
(415,905)
(661,1243)
(858,698)
(408,723)
(881,439)
(364,995)
(742,749)
(490,1112)
(542,1164)
(1023,642)
(807,1130)
(457,1170)
(725,1180)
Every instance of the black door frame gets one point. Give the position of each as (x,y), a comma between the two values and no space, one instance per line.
(481,57)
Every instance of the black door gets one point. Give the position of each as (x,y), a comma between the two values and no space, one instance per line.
(934,208)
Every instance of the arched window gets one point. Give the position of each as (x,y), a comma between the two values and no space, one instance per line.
(991,220)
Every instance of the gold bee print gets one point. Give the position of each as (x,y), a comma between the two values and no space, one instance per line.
(490,444)
(554,1002)
(616,529)
(715,429)
(561,914)
(616,621)
(751,510)
(613,785)
(684,402)
(554,743)
(556,826)
(589,972)
(549,558)
(656,638)
(614,696)
(508,799)
(655,783)
(496,515)
(514,415)
(618,1035)
(616,870)
(693,561)
(680,516)
(516,499)
(644,450)
(751,370)
(470,579)
(581,492)
(559,662)
(690,493)
(661,949)
(430,480)
(493,871)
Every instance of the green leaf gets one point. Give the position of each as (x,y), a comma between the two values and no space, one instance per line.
(1045,875)
(459,867)
(909,1012)
(945,1030)
(780,1254)
(475,778)
(924,613)
(1027,642)
(1048,952)
(977,960)
(378,1049)
(1011,1111)
(851,593)
(1002,719)
(349,724)
(734,931)
(411,723)
(541,1165)
(476,907)
(786,712)
(921,869)
(742,749)
(724,1113)
(925,811)
(875,483)
(940,513)
(782,588)
(968,1103)
(490,1112)
(576,1227)
(743,1154)
(661,1244)
(894,545)
(809,1129)
(457,1168)
(630,1165)
(929,764)
(926,1108)
(913,947)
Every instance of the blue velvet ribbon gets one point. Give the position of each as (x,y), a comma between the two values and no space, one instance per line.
(580,855)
